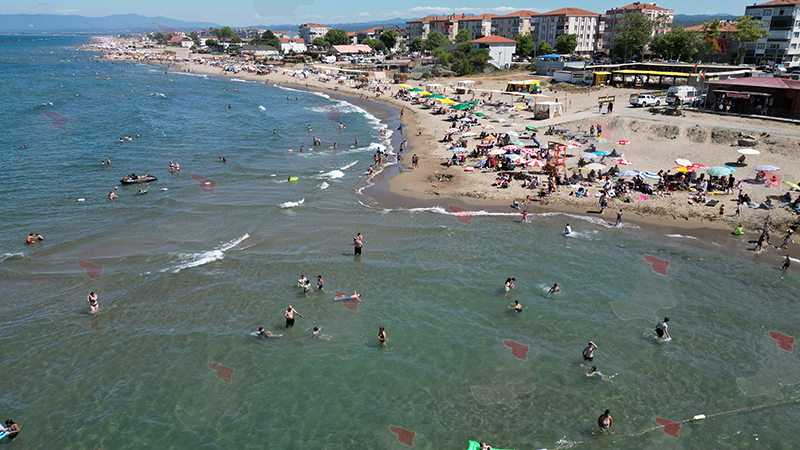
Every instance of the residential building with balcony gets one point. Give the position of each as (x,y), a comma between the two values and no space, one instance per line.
(511,25)
(781,18)
(478,26)
(613,18)
(582,23)
(311,31)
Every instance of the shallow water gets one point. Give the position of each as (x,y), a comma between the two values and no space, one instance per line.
(185,275)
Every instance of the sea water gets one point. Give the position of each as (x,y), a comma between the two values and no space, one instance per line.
(185,275)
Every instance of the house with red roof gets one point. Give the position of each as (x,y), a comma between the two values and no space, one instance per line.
(296,45)
(580,22)
(775,96)
(501,49)
(311,31)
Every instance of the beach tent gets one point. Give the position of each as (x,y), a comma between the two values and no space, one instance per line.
(434,87)
(466,86)
(548,110)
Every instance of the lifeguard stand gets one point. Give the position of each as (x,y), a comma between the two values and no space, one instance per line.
(556,158)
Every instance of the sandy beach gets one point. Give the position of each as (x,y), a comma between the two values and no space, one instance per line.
(656,141)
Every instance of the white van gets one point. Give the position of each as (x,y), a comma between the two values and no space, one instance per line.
(329,59)
(681,95)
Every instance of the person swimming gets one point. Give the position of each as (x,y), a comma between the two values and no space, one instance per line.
(516,307)
(316,332)
(33,237)
(12,429)
(594,372)
(509,284)
(302,281)
(554,290)
(264,335)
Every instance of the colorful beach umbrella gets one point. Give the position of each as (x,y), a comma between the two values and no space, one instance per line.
(651,175)
(480,114)
(488,127)
(699,166)
(623,142)
(535,163)
(792,185)
(404,86)
(719,171)
(624,162)
(512,133)
(528,151)
(415,90)
(530,128)
(489,138)
(628,173)
(575,143)
(510,148)
(684,169)
(451,130)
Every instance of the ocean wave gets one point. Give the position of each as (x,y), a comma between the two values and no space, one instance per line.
(5,256)
(333,174)
(262,108)
(349,165)
(592,220)
(292,204)
(318,94)
(157,94)
(323,186)
(681,236)
(190,260)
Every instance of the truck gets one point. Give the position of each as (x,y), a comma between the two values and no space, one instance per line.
(681,95)
(645,100)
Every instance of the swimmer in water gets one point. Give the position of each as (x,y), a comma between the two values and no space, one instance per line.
(264,335)
(554,290)
(34,237)
(12,429)
(661,328)
(786,263)
(306,287)
(320,283)
(516,307)
(92,299)
(302,281)
(605,421)
(382,336)
(567,230)
(112,195)
(588,352)
(316,332)
(509,284)
(594,372)
(289,315)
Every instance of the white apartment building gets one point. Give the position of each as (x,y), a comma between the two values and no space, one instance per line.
(781,18)
(575,21)
(311,31)
(479,26)
(516,23)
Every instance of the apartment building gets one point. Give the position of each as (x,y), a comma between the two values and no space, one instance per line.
(516,23)
(311,31)
(613,18)
(447,25)
(478,26)
(584,24)
(781,18)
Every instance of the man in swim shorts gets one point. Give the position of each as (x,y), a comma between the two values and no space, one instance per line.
(357,241)
(33,237)
(588,352)
(661,328)
(516,307)
(289,315)
(320,283)
(554,289)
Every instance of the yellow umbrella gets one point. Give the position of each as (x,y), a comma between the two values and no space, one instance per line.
(792,185)
(446,100)
(425,93)
(404,86)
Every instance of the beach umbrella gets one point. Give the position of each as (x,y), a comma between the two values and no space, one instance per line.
(473,102)
(530,128)
(489,138)
(624,162)
(464,119)
(415,90)
(404,86)
(451,130)
(623,142)
(601,152)
(628,173)
(510,148)
(575,143)
(480,114)
(535,163)
(768,168)
(748,151)
(719,171)
(699,166)
(469,134)
(528,151)
(425,93)
(792,185)
(517,142)
(515,158)
(512,133)
(683,169)
(594,166)
(601,140)
(683,162)
(446,101)
(488,127)
(651,175)
(496,152)
(588,155)
(458,150)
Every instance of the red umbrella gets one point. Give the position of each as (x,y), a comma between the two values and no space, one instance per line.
(575,143)
(528,151)
(623,142)
(699,166)
(624,162)
(535,163)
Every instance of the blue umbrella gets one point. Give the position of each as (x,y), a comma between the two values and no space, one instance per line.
(733,169)
(602,153)
(719,171)
(517,142)
(651,175)
(458,149)
(628,173)
(512,133)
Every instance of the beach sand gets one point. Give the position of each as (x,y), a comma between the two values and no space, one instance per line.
(656,141)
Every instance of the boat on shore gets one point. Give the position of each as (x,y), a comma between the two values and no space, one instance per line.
(133,179)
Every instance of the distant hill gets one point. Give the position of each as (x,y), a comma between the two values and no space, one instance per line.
(683,20)
(134,23)
(117,24)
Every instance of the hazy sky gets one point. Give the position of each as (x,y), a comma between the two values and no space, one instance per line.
(239,13)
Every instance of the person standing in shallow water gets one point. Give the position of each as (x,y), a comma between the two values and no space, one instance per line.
(358,243)
(605,421)
(382,335)
(289,315)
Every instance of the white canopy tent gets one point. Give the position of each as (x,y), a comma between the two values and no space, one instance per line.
(548,110)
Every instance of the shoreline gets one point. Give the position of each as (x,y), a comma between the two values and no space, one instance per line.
(399,186)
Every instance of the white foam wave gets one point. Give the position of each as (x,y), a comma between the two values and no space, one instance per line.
(157,94)
(292,204)
(5,256)
(262,108)
(323,185)
(592,220)
(318,94)
(333,174)
(349,165)
(794,259)
(190,260)
(681,236)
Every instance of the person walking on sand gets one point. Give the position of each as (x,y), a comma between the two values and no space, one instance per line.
(661,328)
(92,299)
(358,243)
(382,336)
(605,421)
(289,315)
(588,352)
(786,263)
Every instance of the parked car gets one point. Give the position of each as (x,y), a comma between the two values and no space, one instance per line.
(645,100)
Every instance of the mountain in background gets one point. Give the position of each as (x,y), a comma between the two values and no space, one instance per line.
(117,24)
(683,20)
(134,23)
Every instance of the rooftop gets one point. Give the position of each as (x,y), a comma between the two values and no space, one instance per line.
(780,3)
(725,27)
(494,40)
(572,12)
(638,5)
(521,13)
(762,82)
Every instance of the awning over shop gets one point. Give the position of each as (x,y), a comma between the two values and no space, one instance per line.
(740,94)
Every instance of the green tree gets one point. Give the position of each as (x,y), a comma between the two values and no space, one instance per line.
(211,43)
(389,38)
(748,30)
(375,44)
(466,60)
(160,38)
(566,43)
(545,48)
(320,42)
(525,45)
(337,37)
(712,28)
(222,33)
(417,44)
(435,40)
(443,57)
(673,44)
(463,35)
(633,36)
(193,36)
(269,38)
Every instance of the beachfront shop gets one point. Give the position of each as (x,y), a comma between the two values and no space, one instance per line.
(642,78)
(530,86)
(778,97)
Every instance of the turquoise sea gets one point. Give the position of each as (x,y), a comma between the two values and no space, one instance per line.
(187,272)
